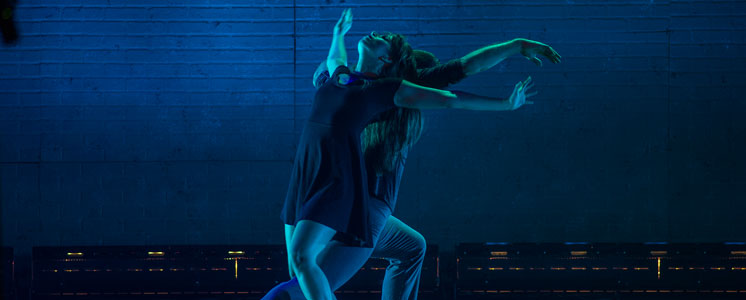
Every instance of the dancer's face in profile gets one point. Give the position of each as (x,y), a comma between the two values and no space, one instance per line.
(373,47)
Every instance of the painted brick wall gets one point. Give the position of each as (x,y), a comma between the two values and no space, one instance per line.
(127,122)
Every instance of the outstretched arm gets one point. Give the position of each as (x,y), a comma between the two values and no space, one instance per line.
(337,53)
(416,96)
(487,57)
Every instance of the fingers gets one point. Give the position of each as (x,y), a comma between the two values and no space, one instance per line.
(346,15)
(552,55)
(534,60)
(524,84)
(528,80)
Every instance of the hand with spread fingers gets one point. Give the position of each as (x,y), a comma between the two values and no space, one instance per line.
(518,97)
(345,22)
(530,49)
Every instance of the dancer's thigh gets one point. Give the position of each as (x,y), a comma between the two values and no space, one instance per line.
(398,241)
(309,239)
(338,262)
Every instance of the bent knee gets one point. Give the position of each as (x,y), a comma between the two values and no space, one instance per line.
(301,258)
(422,247)
(419,246)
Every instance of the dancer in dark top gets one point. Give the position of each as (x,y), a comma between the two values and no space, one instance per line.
(398,243)
(328,191)
(394,240)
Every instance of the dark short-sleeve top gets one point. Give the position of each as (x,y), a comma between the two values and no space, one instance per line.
(441,76)
(328,182)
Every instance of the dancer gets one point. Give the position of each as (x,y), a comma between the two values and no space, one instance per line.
(316,225)
(400,244)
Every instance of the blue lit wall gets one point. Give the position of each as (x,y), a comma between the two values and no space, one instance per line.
(125,122)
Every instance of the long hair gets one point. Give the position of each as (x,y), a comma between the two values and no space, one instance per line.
(385,140)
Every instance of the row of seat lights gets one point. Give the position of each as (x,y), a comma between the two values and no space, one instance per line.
(581,253)
(493,253)
(152,270)
(190,293)
(153,253)
(176,269)
(601,268)
(604,291)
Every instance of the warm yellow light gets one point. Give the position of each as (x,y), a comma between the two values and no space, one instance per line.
(659,267)
(499,253)
(738,252)
(74,253)
(236,252)
(235,266)
(155,253)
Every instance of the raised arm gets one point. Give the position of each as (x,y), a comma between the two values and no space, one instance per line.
(416,96)
(337,53)
(487,57)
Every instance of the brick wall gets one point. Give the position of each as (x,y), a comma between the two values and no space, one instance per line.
(125,122)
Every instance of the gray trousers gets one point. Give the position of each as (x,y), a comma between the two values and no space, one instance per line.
(395,241)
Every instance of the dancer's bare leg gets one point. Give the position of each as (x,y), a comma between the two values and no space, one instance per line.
(338,261)
(403,246)
(308,239)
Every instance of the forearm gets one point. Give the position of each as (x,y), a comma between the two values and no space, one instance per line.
(337,50)
(486,57)
(465,100)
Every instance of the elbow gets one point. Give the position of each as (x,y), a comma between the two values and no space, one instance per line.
(470,65)
(451,100)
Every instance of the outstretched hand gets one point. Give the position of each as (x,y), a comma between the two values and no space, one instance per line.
(518,97)
(530,49)
(344,23)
